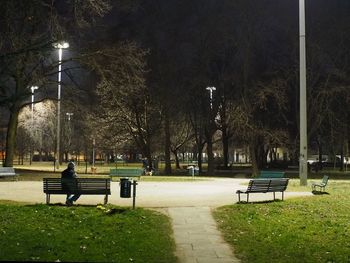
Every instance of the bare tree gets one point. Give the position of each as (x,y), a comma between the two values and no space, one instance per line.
(127,108)
(29,28)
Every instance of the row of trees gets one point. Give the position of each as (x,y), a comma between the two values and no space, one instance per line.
(248,50)
(154,60)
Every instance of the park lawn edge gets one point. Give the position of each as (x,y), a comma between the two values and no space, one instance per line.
(314,229)
(38,232)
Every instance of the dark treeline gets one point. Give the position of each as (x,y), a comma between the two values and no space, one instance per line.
(249,51)
(153,60)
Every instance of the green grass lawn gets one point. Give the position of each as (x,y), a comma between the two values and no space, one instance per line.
(83,233)
(310,229)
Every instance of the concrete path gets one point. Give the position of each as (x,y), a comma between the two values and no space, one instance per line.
(188,204)
(197,237)
(209,193)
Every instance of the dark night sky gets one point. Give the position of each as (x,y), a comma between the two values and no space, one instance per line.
(176,14)
(172,25)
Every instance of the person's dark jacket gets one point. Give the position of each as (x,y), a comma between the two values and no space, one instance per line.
(68,180)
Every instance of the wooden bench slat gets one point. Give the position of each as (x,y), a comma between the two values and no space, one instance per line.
(264,186)
(124,172)
(84,186)
(271,174)
(8,172)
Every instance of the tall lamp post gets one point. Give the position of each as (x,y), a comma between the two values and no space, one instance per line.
(69,114)
(211,89)
(93,168)
(303,97)
(32,88)
(60,46)
(209,144)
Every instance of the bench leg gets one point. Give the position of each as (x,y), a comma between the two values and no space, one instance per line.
(282,196)
(47,199)
(106,199)
(239,197)
(247,197)
(274,196)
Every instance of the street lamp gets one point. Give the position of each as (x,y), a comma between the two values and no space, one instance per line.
(303,98)
(60,46)
(93,152)
(32,88)
(69,114)
(211,89)
(93,168)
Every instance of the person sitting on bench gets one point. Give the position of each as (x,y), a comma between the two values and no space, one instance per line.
(69,182)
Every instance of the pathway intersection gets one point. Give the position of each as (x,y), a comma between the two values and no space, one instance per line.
(188,204)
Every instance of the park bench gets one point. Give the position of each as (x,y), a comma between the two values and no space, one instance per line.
(82,186)
(322,185)
(124,172)
(119,161)
(193,163)
(265,186)
(271,174)
(7,172)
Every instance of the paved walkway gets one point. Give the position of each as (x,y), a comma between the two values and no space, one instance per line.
(197,238)
(188,204)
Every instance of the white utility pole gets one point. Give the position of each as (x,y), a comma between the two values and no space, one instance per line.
(303,97)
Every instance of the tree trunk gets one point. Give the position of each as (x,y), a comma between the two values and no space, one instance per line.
(320,153)
(149,161)
(148,154)
(274,154)
(253,158)
(225,147)
(348,134)
(210,170)
(11,138)
(258,155)
(177,161)
(342,155)
(86,159)
(167,146)
(199,157)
